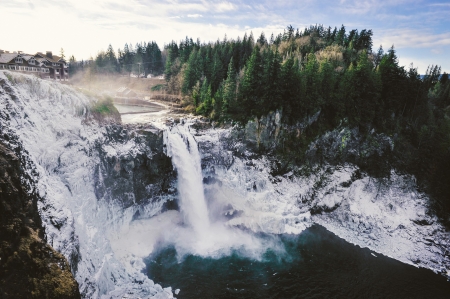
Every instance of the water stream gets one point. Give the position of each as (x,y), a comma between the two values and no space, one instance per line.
(182,147)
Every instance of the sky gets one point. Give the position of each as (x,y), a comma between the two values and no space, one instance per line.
(418,29)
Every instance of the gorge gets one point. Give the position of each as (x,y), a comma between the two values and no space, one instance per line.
(114,197)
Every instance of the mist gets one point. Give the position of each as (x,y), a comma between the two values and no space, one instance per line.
(199,227)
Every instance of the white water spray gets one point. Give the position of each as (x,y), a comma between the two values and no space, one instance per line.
(182,147)
(201,236)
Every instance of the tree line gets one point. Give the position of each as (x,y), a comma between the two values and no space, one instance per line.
(301,72)
(144,59)
(328,70)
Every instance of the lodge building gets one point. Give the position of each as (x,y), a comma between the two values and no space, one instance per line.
(45,66)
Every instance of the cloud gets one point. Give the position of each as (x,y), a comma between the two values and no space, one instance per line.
(356,7)
(440,4)
(437,51)
(101,22)
(409,38)
(225,6)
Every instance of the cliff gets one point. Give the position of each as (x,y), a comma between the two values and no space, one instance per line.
(29,267)
(91,177)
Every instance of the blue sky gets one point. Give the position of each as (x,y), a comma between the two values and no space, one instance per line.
(419,30)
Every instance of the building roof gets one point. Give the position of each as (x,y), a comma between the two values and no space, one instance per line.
(121,89)
(7,57)
(57,58)
(27,56)
(40,54)
(45,57)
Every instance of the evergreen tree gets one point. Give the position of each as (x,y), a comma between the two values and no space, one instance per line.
(290,88)
(127,59)
(340,36)
(228,94)
(192,72)
(251,91)
(111,60)
(262,41)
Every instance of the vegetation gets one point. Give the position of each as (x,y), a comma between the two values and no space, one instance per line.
(103,111)
(158,87)
(328,70)
(144,59)
(300,73)
(104,106)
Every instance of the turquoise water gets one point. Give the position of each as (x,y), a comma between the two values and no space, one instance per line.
(317,264)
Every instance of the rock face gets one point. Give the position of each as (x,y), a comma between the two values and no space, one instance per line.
(92,178)
(267,133)
(88,177)
(29,268)
(385,213)
(137,173)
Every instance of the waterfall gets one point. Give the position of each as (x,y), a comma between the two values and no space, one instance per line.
(182,147)
(201,235)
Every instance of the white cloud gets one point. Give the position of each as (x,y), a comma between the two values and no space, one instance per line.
(88,26)
(369,6)
(409,38)
(440,4)
(421,63)
(224,6)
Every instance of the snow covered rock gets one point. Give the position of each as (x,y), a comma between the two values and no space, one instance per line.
(91,178)
(388,215)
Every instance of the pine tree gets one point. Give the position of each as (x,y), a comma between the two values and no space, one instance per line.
(229,103)
(217,72)
(111,60)
(262,40)
(127,59)
(290,88)
(341,37)
(192,72)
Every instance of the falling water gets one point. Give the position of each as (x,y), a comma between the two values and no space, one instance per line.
(201,236)
(182,147)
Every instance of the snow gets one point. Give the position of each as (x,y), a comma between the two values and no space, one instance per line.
(385,216)
(48,118)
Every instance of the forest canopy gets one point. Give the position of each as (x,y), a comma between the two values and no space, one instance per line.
(333,71)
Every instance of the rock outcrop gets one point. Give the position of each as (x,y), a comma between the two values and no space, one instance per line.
(29,267)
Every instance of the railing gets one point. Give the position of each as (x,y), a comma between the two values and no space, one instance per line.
(24,68)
